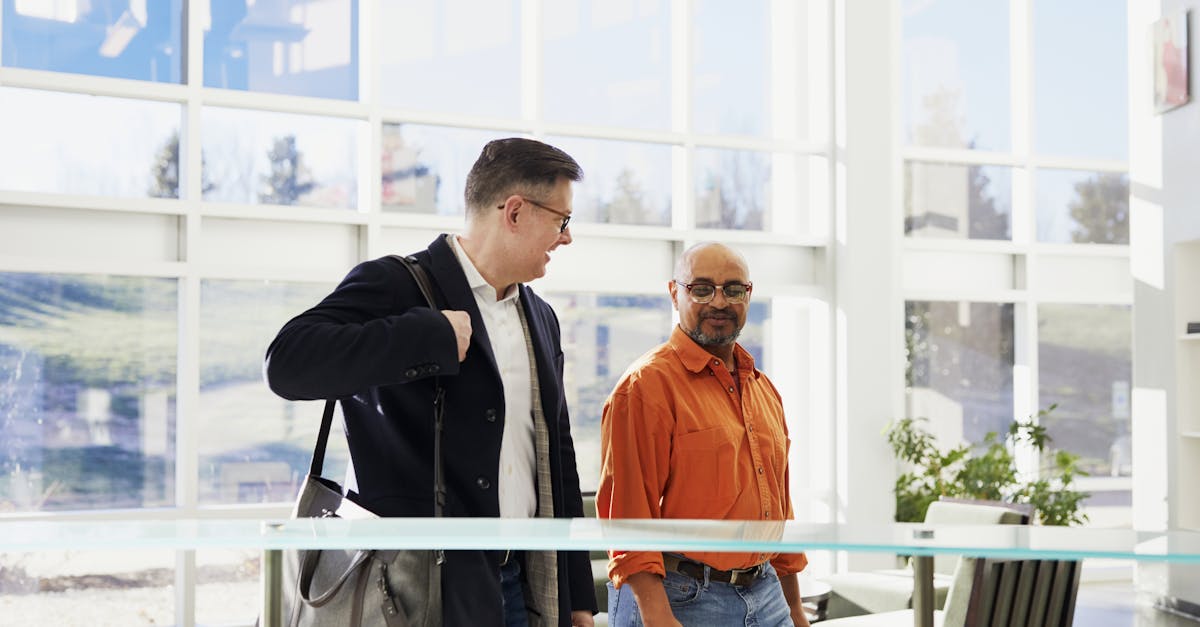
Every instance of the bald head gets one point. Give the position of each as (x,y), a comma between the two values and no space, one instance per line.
(709,253)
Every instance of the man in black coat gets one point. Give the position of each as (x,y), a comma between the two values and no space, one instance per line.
(494,345)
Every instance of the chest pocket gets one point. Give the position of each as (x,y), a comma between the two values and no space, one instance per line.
(706,463)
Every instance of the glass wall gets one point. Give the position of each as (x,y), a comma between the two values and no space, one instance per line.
(178,179)
(1015,130)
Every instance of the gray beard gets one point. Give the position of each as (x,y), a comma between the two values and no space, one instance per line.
(704,339)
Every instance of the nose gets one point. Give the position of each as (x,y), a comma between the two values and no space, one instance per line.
(719,294)
(565,238)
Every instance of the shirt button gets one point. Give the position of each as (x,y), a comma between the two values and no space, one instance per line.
(483,483)
(760,470)
(731,389)
(490,415)
(750,428)
(766,514)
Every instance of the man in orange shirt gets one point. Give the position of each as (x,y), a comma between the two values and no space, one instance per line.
(694,430)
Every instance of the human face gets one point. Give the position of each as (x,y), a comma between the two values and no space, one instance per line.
(717,323)
(542,229)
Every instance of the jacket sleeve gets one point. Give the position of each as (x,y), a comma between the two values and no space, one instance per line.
(374,329)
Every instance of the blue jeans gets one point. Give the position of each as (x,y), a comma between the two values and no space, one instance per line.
(513,594)
(696,602)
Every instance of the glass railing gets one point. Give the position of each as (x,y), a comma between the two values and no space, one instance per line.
(921,540)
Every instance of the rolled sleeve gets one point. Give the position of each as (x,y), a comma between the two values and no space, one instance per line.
(789,563)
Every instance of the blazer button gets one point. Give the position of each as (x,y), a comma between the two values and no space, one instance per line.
(490,415)
(483,483)
(410,373)
(433,368)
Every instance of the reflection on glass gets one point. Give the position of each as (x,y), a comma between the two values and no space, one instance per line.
(602,334)
(732,189)
(87,392)
(623,182)
(586,79)
(92,587)
(425,167)
(1084,366)
(1082,207)
(280,158)
(264,459)
(959,370)
(295,47)
(1080,78)
(955,62)
(118,147)
(135,40)
(949,201)
(436,58)
(730,86)
(228,586)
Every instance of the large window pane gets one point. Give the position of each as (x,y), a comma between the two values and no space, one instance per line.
(119,147)
(1084,355)
(254,447)
(94,588)
(730,83)
(1080,78)
(296,47)
(602,334)
(1082,207)
(587,79)
(955,73)
(623,183)
(460,56)
(279,158)
(943,200)
(732,189)
(87,392)
(425,167)
(137,40)
(959,371)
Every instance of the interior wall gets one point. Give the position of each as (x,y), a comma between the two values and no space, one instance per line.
(1164,210)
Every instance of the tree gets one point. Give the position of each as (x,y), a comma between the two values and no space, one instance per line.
(289,178)
(1100,210)
(166,171)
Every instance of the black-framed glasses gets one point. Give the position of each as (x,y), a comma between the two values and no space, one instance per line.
(566,217)
(701,293)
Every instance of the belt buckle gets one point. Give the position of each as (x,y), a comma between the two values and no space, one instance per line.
(748,574)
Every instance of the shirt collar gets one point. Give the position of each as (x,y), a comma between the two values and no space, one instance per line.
(475,279)
(696,359)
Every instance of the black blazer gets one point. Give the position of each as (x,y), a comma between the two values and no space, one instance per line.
(374,343)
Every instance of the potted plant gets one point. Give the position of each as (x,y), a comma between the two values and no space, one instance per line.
(985,471)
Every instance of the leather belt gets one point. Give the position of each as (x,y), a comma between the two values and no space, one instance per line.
(695,570)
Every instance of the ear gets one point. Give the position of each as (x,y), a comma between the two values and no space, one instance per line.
(673,288)
(512,208)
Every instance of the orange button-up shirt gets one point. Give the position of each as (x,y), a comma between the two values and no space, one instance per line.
(681,439)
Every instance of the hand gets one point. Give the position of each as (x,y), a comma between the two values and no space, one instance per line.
(582,618)
(460,321)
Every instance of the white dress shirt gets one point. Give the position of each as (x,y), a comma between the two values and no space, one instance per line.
(516,490)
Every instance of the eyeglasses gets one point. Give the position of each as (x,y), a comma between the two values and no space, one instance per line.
(566,217)
(701,293)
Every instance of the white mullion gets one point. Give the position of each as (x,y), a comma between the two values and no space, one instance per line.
(457,120)
(370,153)
(531,64)
(289,213)
(1020,76)
(156,206)
(91,266)
(92,85)
(958,156)
(682,155)
(1026,397)
(1079,163)
(284,103)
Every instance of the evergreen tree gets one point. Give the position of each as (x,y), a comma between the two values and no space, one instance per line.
(1100,210)
(289,178)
